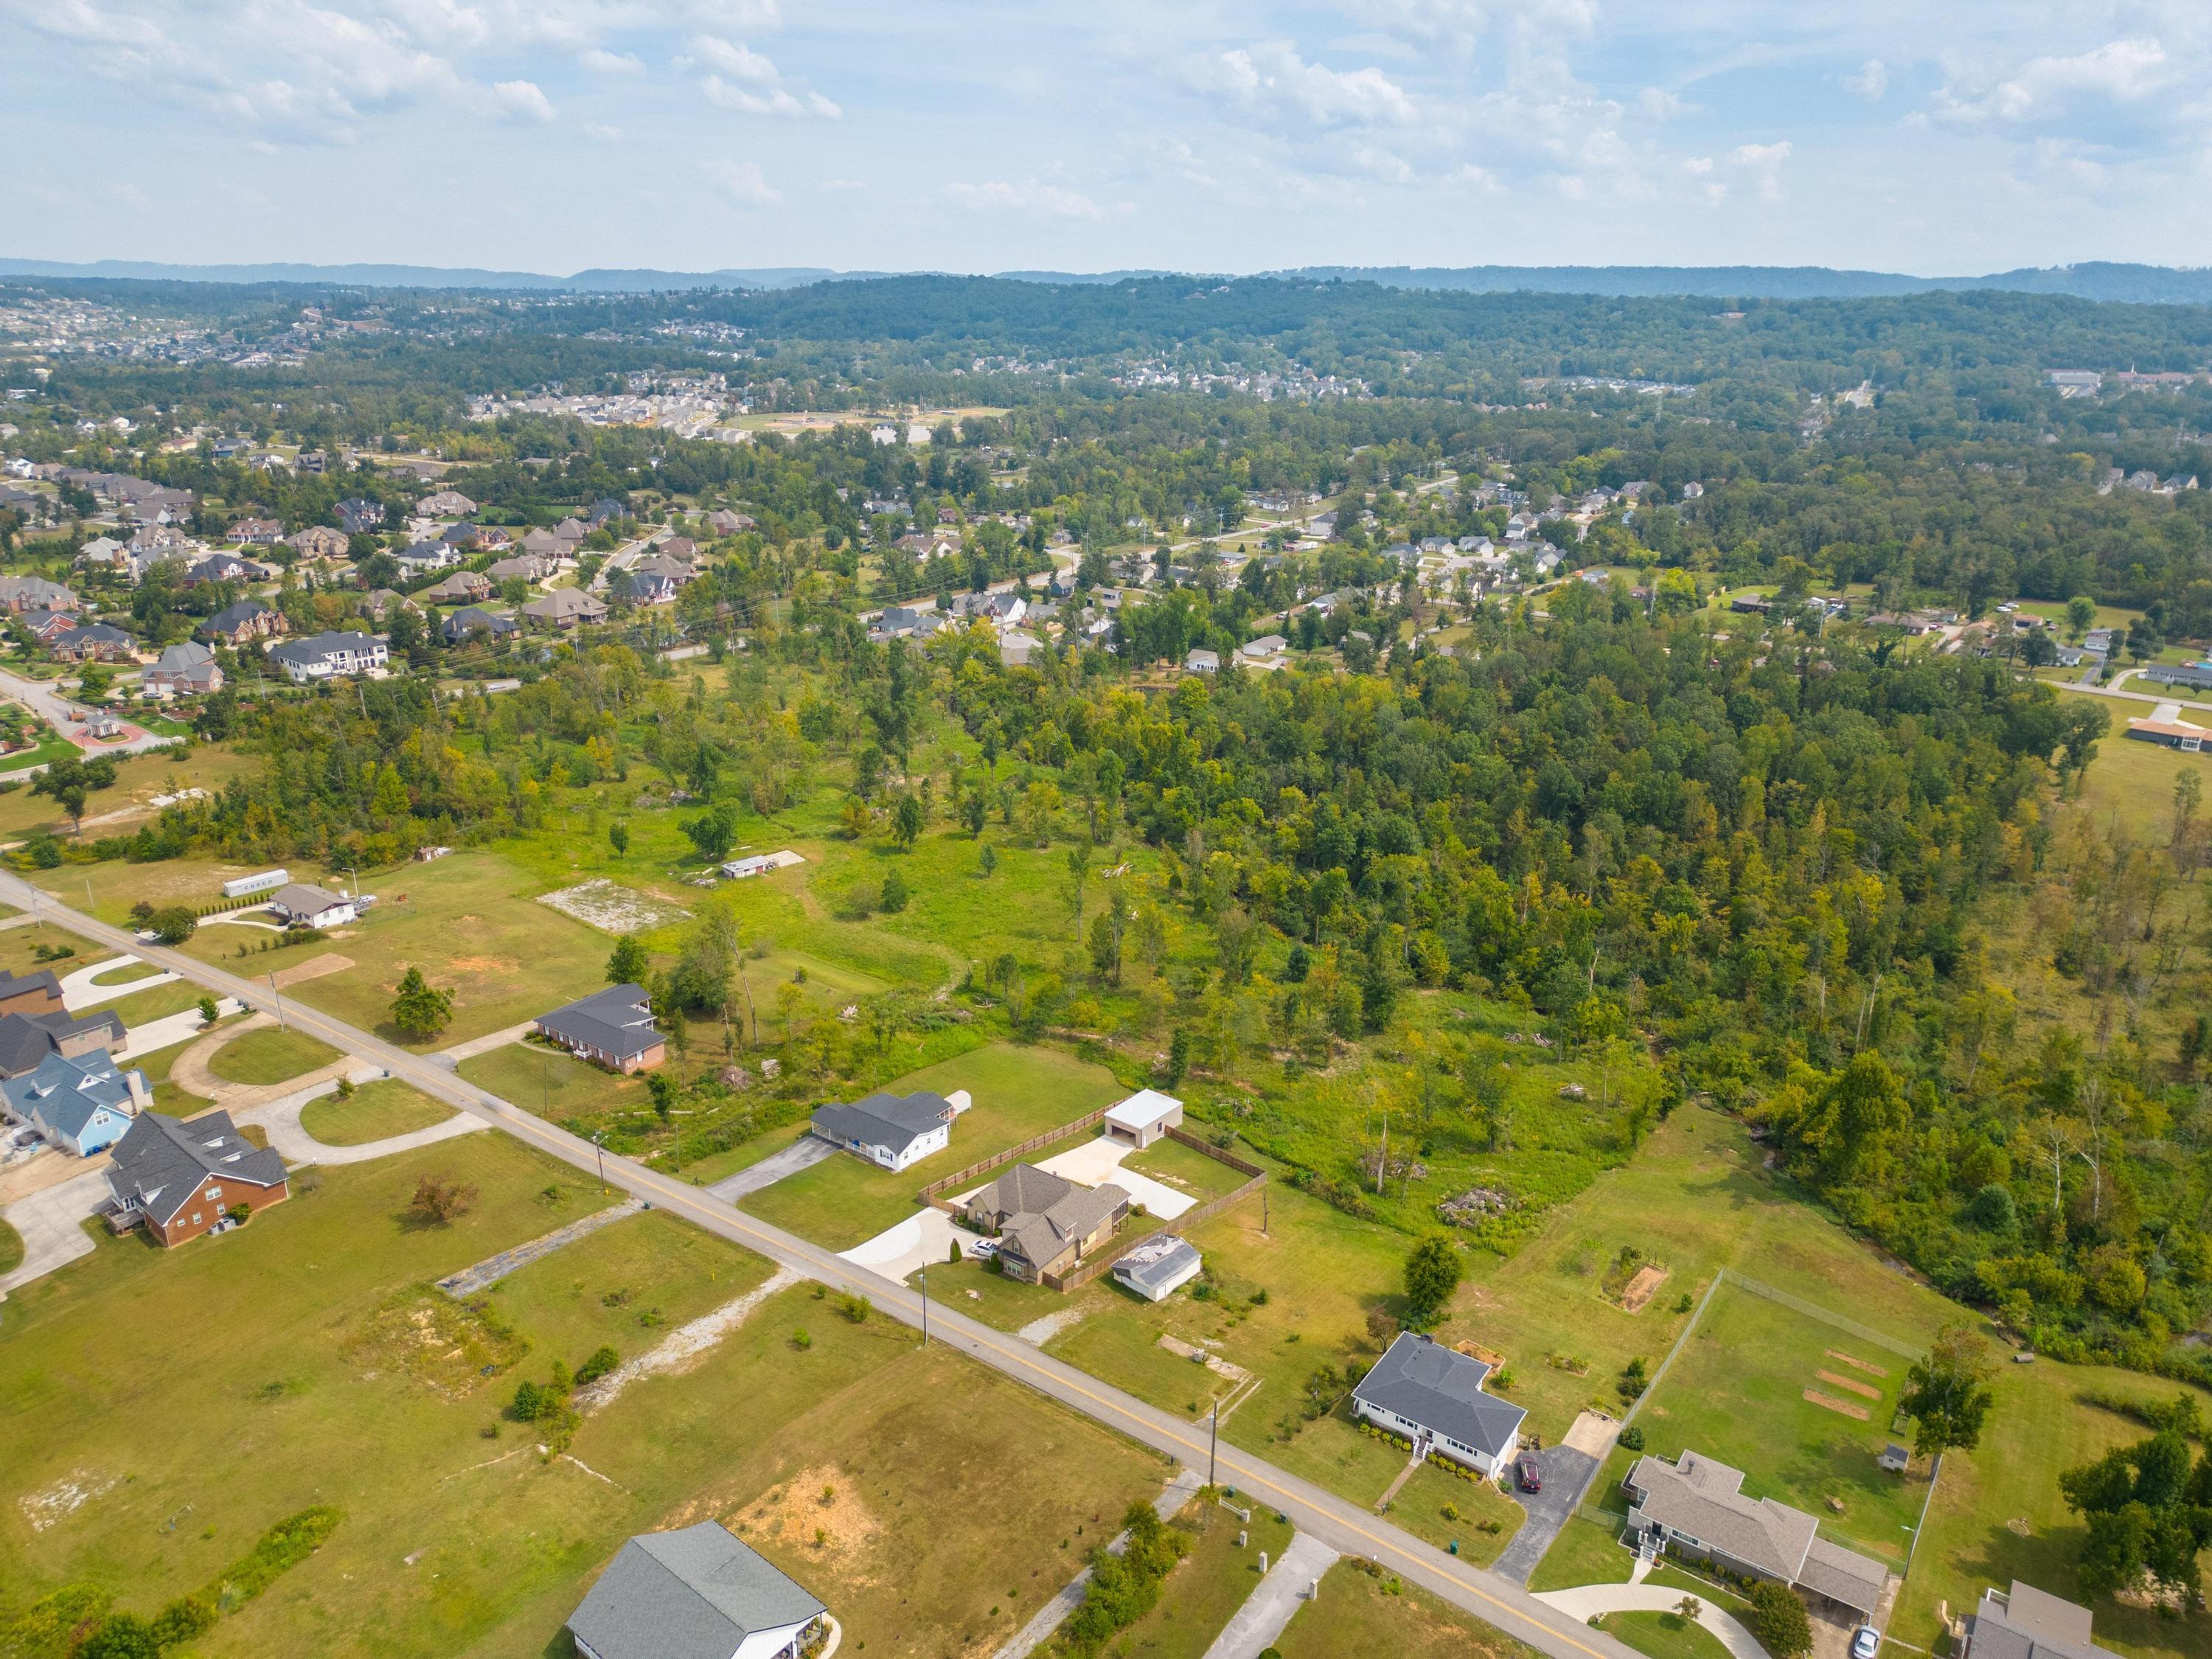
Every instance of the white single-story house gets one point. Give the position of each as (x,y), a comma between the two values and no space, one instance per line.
(302,906)
(1156,1268)
(892,1131)
(1143,1118)
(1433,1396)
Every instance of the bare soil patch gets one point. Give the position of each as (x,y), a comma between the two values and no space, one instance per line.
(1856,1363)
(1642,1288)
(1851,1385)
(313,968)
(818,1512)
(452,1347)
(612,909)
(1830,1403)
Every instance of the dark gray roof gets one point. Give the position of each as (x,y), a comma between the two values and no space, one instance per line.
(2027,1623)
(697,1592)
(232,618)
(27,1039)
(615,1021)
(14,985)
(893,1121)
(1429,1384)
(160,1161)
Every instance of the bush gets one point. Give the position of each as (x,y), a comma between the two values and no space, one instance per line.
(855,1308)
(1779,1620)
(283,1548)
(441,1200)
(604,1360)
(184,1619)
(1630,1438)
(802,1339)
(895,893)
(121,1636)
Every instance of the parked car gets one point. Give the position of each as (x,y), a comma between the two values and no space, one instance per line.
(1864,1640)
(1528,1473)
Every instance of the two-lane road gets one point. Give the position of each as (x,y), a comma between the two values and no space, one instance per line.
(1343,1526)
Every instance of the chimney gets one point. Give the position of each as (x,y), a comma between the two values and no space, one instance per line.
(134,1081)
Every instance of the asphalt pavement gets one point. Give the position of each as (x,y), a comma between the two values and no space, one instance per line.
(1343,1526)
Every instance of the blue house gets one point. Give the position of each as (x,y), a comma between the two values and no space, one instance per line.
(82,1103)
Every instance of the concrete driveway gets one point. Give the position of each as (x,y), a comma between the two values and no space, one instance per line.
(1591,1600)
(1095,1162)
(1567,1476)
(922,1240)
(803,1153)
(51,1222)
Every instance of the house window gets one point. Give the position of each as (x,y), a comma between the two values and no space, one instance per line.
(196,1217)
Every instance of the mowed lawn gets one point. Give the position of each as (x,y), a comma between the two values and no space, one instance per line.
(1018,1093)
(555,1086)
(467,921)
(269,1053)
(1203,1590)
(1736,1392)
(2132,783)
(373,1112)
(1363,1614)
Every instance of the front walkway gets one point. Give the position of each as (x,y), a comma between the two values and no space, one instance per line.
(1587,1602)
(170,1030)
(484,1044)
(1290,1583)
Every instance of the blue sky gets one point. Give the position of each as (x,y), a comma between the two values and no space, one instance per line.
(553,135)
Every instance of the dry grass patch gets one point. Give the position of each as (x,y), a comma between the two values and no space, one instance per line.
(451,1347)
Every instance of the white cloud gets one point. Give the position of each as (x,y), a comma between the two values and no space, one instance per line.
(742,79)
(1871,82)
(740,182)
(1763,163)
(600,132)
(1660,105)
(1272,81)
(601,61)
(522,100)
(2119,71)
(1038,200)
(731,57)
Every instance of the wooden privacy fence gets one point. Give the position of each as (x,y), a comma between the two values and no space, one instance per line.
(1085,1272)
(929,1194)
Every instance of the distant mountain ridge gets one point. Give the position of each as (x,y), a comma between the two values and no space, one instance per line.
(2096,280)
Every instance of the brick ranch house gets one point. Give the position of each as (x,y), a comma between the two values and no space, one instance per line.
(178,1179)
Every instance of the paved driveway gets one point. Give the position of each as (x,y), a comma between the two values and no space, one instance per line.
(803,1153)
(52,1224)
(1567,1474)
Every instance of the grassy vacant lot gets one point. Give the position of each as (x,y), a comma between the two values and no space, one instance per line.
(373,1111)
(344,1379)
(19,947)
(1206,1587)
(1446,1509)
(553,1085)
(271,1053)
(1018,1093)
(2132,783)
(468,922)
(1362,1615)
(1736,1392)
(1663,1635)
(1585,1553)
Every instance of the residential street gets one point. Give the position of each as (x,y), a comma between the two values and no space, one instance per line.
(1343,1526)
(43,700)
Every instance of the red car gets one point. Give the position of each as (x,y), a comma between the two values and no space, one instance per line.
(1528,1473)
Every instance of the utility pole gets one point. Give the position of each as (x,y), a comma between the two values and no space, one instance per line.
(279,995)
(1213,1438)
(598,1144)
(924,1277)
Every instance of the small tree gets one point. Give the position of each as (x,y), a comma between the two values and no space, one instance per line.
(1431,1274)
(895,893)
(663,1090)
(629,964)
(420,1009)
(174,925)
(1947,1395)
(441,1201)
(210,1011)
(1779,1620)
(618,837)
(906,822)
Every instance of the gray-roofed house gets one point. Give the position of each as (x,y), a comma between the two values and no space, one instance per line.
(305,906)
(698,1592)
(183,670)
(1695,1507)
(2027,1623)
(180,1179)
(612,1028)
(248,619)
(1045,1223)
(462,587)
(472,620)
(565,608)
(644,587)
(26,1039)
(1156,1266)
(1434,1397)
(20,594)
(1198,660)
(890,1130)
(82,1105)
(95,642)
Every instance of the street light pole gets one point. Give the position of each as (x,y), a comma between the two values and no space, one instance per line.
(598,1144)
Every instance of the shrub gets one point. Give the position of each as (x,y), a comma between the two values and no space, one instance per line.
(604,1360)
(120,1636)
(184,1619)
(855,1308)
(895,894)
(802,1338)
(1779,1620)
(238,1213)
(441,1200)
(1632,1438)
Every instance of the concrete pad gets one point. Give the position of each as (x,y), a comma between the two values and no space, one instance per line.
(51,1222)
(1097,1161)
(803,1153)
(169,1030)
(922,1240)
(79,993)
(1254,1628)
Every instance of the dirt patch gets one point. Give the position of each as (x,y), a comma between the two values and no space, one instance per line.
(602,904)
(1475,1351)
(684,1346)
(817,1512)
(1642,1288)
(484,965)
(1856,1363)
(1851,1385)
(451,1347)
(57,1502)
(314,968)
(1829,1402)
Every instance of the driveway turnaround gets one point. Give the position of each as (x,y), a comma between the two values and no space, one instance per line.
(1588,1601)
(803,1153)
(281,1119)
(1567,1476)
(78,991)
(169,1030)
(922,1240)
(1343,1526)
(1289,1584)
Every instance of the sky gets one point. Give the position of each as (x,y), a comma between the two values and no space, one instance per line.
(1939,139)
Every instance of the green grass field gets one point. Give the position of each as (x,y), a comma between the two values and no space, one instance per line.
(1018,1092)
(1448,1509)
(1362,1615)
(269,1054)
(11,1249)
(553,1085)
(1585,1553)
(1736,1392)
(375,1110)
(1663,1635)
